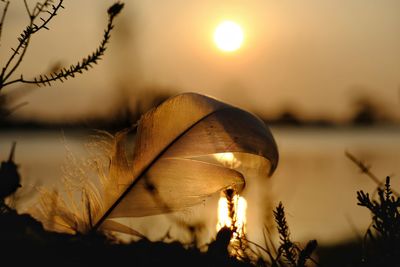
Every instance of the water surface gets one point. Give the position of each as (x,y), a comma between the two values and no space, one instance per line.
(314,179)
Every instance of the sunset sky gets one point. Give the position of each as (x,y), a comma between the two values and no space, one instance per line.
(314,56)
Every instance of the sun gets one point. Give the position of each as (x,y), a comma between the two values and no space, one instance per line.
(228,36)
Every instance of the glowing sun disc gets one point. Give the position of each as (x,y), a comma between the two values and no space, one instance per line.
(228,36)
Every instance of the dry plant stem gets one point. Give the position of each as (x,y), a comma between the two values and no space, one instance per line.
(287,248)
(63,74)
(27,8)
(242,240)
(3,15)
(84,64)
(229,194)
(366,170)
(25,37)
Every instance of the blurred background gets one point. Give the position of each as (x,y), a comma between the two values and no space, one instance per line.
(324,75)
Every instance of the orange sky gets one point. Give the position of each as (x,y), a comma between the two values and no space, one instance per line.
(316,55)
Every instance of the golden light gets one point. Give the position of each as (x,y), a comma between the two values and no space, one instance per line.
(231,206)
(228,36)
(232,214)
(227,159)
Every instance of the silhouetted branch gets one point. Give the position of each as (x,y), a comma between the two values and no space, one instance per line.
(27,9)
(292,253)
(32,28)
(3,15)
(84,64)
(366,170)
(41,8)
(287,247)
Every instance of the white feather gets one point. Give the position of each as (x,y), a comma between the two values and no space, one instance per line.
(172,166)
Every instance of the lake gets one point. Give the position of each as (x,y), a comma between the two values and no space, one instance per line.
(315,181)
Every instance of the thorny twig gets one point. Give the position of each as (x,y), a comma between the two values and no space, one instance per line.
(27,8)
(291,252)
(3,15)
(366,170)
(32,28)
(25,37)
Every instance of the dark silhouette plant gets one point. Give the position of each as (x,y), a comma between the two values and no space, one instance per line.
(9,178)
(39,19)
(381,243)
(382,239)
(289,252)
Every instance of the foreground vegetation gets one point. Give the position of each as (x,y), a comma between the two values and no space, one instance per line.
(25,241)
